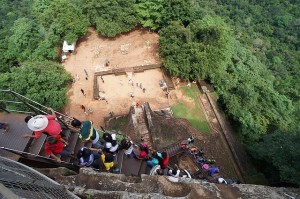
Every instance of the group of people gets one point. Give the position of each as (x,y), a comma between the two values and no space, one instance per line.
(205,163)
(142,152)
(91,157)
(104,149)
(56,145)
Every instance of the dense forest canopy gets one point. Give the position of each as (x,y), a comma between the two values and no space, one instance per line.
(248,50)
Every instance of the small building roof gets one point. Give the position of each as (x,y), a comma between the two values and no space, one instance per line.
(67,47)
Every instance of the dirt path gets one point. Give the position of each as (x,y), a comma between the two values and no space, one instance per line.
(215,125)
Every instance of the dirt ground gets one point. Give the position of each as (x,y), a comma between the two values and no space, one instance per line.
(136,48)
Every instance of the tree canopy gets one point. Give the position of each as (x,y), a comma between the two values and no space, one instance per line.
(196,51)
(44,82)
(111,17)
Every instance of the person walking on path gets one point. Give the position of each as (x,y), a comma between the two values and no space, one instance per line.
(43,124)
(167,94)
(102,79)
(107,160)
(86,73)
(164,161)
(83,108)
(82,92)
(154,160)
(89,110)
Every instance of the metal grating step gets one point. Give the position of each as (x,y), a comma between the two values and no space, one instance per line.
(37,145)
(131,166)
(72,143)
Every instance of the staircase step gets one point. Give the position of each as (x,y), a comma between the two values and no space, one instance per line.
(66,134)
(72,143)
(37,145)
(119,160)
(78,146)
(143,168)
(131,166)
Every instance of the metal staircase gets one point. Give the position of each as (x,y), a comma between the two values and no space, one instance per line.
(32,151)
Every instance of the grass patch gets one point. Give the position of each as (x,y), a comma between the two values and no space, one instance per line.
(194,114)
(118,124)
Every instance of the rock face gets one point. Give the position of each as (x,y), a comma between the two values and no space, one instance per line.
(112,186)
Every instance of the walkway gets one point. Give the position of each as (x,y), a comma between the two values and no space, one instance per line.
(214,123)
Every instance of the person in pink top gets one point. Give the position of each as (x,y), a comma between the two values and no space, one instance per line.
(43,124)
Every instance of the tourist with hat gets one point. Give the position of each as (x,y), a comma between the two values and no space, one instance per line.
(43,124)
(114,144)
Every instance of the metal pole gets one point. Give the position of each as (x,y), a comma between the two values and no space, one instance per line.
(11,101)
(20,97)
(40,105)
(11,111)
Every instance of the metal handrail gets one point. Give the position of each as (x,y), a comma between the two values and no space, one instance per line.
(24,154)
(34,102)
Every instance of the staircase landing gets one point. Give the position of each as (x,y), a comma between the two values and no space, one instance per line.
(13,139)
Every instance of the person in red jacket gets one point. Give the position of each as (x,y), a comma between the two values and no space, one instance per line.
(56,148)
(164,161)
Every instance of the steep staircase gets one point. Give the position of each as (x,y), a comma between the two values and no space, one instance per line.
(131,166)
(173,149)
(141,126)
(36,146)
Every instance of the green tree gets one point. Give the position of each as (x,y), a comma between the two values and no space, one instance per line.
(45,82)
(150,13)
(24,39)
(185,11)
(279,150)
(111,17)
(63,20)
(196,51)
(246,90)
